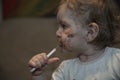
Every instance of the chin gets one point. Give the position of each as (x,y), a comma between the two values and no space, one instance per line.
(64,50)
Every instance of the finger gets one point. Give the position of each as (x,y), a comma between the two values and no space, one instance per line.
(31,64)
(38,63)
(39,60)
(41,57)
(45,57)
(53,60)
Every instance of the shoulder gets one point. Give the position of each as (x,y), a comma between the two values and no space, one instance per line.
(115,52)
(115,61)
(115,56)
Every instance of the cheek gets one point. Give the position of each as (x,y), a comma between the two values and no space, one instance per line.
(71,42)
(69,32)
(71,39)
(76,44)
(69,36)
(68,42)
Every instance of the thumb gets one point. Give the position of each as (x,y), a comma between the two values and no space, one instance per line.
(53,60)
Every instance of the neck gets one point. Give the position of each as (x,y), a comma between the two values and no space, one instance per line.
(91,54)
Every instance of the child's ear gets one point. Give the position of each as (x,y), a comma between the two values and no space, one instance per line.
(93,30)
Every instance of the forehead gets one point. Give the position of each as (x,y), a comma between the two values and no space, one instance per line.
(66,14)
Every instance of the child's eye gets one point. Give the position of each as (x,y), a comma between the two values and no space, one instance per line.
(63,26)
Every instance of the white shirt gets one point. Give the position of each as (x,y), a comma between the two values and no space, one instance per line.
(106,67)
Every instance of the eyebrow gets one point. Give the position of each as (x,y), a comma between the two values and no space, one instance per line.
(63,22)
(60,20)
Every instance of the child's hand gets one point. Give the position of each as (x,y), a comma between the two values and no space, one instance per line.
(40,61)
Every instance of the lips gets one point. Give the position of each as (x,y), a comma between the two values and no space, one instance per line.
(61,44)
(64,46)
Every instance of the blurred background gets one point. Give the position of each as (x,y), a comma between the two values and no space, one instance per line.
(27,27)
(29,8)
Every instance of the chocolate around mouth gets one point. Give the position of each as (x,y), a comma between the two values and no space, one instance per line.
(61,44)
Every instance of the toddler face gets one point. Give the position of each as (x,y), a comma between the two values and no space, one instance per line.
(71,34)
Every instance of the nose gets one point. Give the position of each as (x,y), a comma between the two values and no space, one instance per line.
(59,33)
